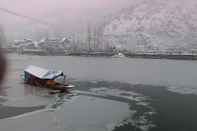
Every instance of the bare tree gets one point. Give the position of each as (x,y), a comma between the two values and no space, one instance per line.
(89,37)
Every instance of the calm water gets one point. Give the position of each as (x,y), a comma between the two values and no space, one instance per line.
(141,71)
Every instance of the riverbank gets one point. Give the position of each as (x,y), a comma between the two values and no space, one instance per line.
(162,56)
(111,54)
(140,56)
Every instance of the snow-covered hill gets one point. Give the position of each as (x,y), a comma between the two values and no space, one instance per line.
(155,25)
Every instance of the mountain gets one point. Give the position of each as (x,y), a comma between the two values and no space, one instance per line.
(154,25)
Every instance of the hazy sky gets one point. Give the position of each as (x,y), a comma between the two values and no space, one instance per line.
(70,13)
(67,14)
(37,7)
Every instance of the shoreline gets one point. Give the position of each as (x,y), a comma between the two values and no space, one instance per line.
(110,55)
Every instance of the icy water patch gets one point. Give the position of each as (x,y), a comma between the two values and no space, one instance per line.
(29,101)
(81,113)
(139,104)
(183,90)
(112,106)
(88,113)
(156,108)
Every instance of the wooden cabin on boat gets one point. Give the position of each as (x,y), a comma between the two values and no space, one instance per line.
(42,77)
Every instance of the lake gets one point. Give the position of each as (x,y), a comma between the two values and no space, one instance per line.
(116,94)
(143,71)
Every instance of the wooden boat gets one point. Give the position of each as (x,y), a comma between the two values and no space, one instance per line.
(42,77)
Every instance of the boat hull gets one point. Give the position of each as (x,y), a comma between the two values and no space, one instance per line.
(44,83)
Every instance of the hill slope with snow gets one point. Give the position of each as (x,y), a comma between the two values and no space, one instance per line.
(155,25)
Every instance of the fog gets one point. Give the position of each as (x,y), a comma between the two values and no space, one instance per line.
(68,15)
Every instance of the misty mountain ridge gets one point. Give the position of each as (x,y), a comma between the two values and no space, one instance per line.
(155,25)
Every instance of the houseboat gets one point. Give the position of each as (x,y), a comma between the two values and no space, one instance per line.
(42,77)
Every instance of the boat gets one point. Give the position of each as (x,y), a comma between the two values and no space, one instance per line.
(119,55)
(52,79)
